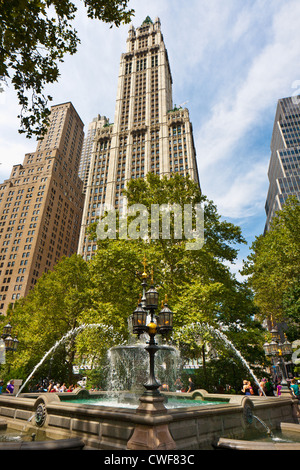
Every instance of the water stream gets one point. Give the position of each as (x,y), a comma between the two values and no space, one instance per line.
(268,430)
(69,334)
(196,327)
(215,332)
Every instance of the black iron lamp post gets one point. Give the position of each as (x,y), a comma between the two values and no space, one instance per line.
(11,344)
(158,324)
(277,350)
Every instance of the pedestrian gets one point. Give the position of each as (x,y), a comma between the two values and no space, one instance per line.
(247,389)
(178,385)
(10,387)
(250,388)
(191,386)
(278,388)
(1,386)
(295,389)
(269,388)
(164,387)
(63,388)
(262,387)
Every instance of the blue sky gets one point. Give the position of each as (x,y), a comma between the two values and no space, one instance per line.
(230,61)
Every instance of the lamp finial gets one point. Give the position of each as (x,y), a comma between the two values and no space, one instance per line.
(144,275)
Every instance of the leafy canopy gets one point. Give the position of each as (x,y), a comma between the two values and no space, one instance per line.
(273,267)
(35,37)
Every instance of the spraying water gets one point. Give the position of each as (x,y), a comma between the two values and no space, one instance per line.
(129,366)
(215,332)
(70,333)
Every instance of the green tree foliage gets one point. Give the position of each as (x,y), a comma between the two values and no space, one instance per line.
(48,312)
(198,283)
(273,267)
(35,37)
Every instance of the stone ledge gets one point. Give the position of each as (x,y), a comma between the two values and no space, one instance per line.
(60,444)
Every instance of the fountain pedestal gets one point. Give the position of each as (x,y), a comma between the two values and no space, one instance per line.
(152,432)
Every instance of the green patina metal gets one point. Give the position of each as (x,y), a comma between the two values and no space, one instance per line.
(148,20)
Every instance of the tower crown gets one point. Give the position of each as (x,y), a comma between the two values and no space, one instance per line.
(147,20)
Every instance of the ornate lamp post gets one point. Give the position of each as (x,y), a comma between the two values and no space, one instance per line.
(277,350)
(144,320)
(11,344)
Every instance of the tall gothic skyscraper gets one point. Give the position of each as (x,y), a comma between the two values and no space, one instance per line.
(149,134)
(41,207)
(284,167)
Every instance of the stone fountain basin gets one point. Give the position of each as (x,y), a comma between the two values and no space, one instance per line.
(239,444)
(54,444)
(112,428)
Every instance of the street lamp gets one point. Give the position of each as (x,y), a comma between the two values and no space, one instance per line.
(286,347)
(160,324)
(11,344)
(165,318)
(276,349)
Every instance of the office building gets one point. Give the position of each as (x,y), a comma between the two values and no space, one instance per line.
(41,207)
(149,133)
(86,154)
(284,167)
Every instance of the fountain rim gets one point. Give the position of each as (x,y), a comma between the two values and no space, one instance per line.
(141,346)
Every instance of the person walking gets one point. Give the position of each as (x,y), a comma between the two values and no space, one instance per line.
(191,386)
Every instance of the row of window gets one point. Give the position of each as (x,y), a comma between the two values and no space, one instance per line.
(141,64)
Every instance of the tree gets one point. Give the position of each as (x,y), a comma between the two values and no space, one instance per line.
(198,284)
(291,308)
(47,313)
(64,301)
(273,266)
(35,37)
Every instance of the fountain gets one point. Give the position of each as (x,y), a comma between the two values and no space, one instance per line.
(152,425)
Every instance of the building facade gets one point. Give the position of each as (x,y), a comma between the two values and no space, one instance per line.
(86,154)
(149,133)
(284,167)
(41,207)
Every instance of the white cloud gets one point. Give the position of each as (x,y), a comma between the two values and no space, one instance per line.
(269,75)
(240,111)
(243,197)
